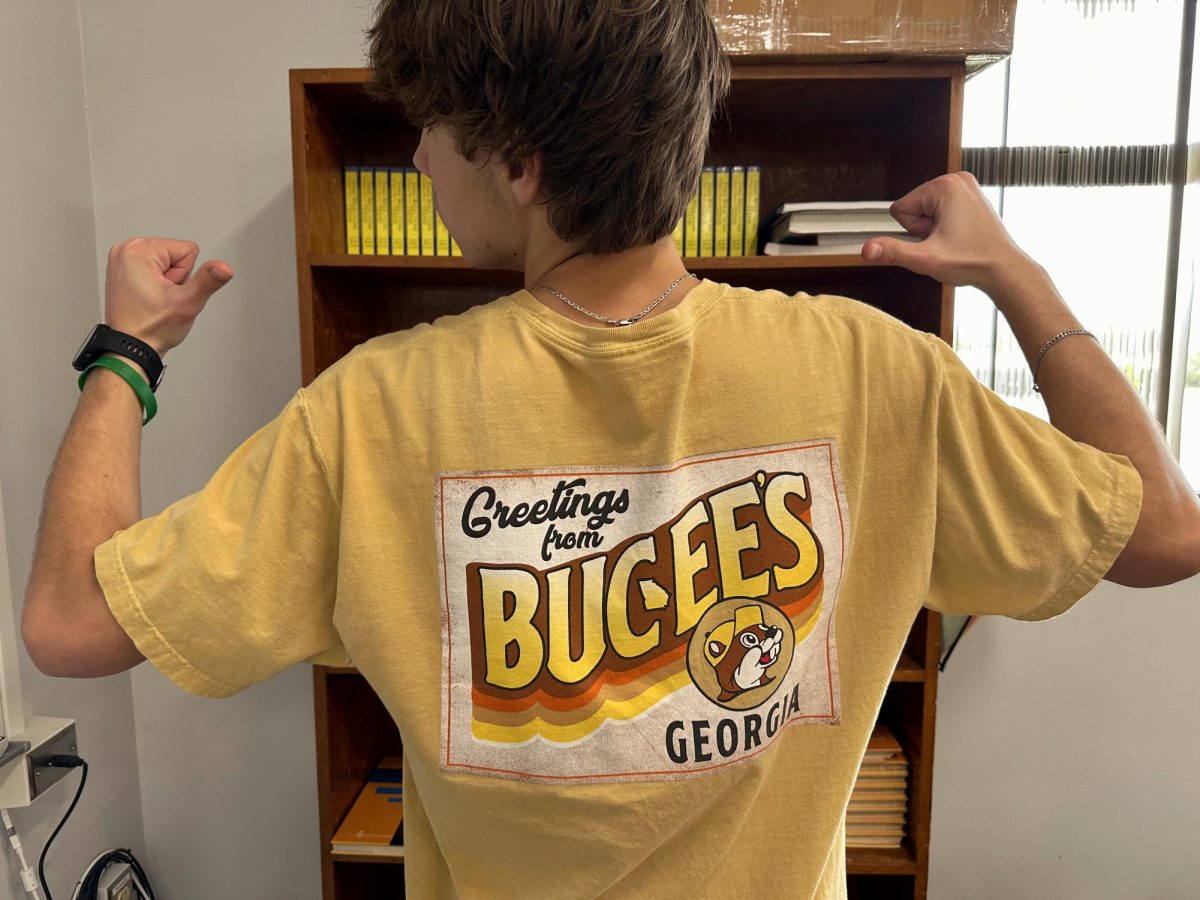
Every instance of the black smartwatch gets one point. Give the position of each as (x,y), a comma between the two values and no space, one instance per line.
(108,340)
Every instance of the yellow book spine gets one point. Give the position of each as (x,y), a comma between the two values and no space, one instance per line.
(721,213)
(443,235)
(706,212)
(455,250)
(382,211)
(353,211)
(367,190)
(753,180)
(737,211)
(412,212)
(428,231)
(691,225)
(396,194)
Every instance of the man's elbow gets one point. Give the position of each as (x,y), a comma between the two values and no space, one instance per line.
(1189,562)
(94,650)
(1168,557)
(41,650)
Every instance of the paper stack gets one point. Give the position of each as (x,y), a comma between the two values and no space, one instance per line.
(831,227)
(878,803)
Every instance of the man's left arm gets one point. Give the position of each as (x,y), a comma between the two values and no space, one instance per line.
(1092,401)
(94,486)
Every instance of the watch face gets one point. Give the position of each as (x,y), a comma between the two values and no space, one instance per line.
(87,340)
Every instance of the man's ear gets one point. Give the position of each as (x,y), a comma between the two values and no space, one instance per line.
(525,179)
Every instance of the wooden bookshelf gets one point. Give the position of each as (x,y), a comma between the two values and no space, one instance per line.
(820,131)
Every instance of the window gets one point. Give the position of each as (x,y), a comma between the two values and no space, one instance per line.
(1072,139)
(1183,425)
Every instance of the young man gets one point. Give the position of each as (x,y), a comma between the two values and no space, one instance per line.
(632,592)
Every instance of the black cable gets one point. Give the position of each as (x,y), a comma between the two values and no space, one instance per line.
(90,886)
(70,762)
(958,637)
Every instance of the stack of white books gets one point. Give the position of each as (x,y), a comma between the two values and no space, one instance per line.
(831,227)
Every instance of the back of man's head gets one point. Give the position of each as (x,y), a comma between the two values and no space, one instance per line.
(618,95)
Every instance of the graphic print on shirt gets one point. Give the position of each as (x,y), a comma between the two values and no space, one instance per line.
(616,623)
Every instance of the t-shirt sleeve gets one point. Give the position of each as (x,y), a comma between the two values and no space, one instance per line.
(1027,519)
(231,585)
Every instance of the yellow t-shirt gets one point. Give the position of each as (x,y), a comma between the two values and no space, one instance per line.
(633,595)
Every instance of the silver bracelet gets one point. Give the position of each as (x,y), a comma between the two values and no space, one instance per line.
(1050,343)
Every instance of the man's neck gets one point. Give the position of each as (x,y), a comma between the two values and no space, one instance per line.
(616,286)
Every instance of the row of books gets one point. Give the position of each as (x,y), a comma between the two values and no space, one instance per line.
(390,212)
(722,216)
(374,826)
(825,227)
(878,803)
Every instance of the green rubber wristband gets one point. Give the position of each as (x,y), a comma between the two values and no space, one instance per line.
(139,384)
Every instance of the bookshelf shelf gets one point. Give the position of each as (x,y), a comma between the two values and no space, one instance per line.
(908,669)
(819,130)
(880,861)
(725,264)
(355,858)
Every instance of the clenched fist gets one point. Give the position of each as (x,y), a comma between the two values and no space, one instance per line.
(964,241)
(147,291)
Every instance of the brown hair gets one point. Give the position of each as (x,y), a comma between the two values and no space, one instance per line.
(619,95)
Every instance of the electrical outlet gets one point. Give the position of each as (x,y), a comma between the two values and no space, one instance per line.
(116,883)
(26,776)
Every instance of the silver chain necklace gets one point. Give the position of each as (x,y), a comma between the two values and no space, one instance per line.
(628,321)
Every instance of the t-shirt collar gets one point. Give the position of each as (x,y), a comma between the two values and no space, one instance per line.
(600,337)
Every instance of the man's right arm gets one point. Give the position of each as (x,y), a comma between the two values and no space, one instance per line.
(1091,401)
(964,242)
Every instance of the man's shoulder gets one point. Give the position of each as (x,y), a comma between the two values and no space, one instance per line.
(440,334)
(396,355)
(829,315)
(443,331)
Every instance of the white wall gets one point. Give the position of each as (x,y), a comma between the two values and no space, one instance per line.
(1065,759)
(191,138)
(49,291)
(188,128)
(1063,748)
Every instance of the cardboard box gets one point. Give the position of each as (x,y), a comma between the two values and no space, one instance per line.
(861,30)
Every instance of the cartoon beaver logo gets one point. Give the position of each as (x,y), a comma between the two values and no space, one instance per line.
(740,650)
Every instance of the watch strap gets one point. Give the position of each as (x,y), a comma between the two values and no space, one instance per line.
(109,340)
(136,381)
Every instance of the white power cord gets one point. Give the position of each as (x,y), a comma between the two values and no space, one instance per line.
(88,886)
(28,876)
